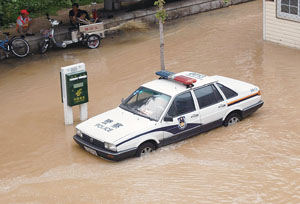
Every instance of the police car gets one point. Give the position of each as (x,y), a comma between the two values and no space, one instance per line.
(167,110)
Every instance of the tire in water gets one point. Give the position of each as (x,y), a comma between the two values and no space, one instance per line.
(93,41)
(44,46)
(19,47)
(232,119)
(145,149)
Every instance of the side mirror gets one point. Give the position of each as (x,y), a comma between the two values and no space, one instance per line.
(168,119)
(47,15)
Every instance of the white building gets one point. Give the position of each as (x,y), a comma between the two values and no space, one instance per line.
(281,22)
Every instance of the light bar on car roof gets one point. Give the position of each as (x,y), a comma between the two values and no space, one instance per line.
(185,80)
(164,74)
(188,81)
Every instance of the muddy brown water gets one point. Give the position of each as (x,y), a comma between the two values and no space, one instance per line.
(255,161)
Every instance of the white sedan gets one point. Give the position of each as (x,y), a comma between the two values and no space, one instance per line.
(167,110)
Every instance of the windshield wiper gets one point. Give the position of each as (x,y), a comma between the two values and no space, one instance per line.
(135,111)
(140,113)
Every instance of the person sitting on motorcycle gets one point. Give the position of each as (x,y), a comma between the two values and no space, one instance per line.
(76,13)
(24,23)
(83,19)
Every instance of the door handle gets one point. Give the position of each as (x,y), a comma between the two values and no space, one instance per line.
(222,105)
(194,115)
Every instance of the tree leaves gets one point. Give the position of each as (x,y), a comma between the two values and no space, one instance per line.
(161,13)
(10,9)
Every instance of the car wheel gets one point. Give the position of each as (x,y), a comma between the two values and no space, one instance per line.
(145,149)
(232,119)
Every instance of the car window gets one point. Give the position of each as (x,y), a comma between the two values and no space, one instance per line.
(229,93)
(140,96)
(147,103)
(217,94)
(207,96)
(182,104)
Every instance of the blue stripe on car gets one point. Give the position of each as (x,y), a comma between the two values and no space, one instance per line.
(173,129)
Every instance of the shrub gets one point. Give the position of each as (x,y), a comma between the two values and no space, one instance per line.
(10,9)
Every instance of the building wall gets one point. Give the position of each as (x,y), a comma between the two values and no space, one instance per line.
(285,32)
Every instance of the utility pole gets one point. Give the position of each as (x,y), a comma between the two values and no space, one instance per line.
(161,15)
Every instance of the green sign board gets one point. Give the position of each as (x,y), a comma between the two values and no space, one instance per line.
(77,88)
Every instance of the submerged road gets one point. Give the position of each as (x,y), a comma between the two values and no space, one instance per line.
(255,161)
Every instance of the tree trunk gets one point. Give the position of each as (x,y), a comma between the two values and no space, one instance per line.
(162,45)
(108,5)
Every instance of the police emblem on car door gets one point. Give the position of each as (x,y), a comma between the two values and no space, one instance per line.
(181,123)
(181,119)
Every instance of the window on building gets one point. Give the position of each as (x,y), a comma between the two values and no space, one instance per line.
(288,9)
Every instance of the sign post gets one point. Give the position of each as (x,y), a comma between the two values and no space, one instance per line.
(74,89)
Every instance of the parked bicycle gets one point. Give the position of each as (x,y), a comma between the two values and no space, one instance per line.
(16,45)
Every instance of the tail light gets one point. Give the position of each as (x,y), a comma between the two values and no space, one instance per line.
(259,93)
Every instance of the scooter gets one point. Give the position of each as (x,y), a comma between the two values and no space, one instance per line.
(90,35)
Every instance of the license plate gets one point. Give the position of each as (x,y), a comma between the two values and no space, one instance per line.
(90,151)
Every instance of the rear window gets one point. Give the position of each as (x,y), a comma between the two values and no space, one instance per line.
(229,93)
(207,96)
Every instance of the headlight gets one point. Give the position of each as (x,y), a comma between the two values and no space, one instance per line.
(79,133)
(109,146)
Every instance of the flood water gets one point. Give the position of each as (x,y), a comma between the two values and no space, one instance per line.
(255,161)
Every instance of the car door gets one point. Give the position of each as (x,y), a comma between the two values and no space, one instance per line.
(182,118)
(212,106)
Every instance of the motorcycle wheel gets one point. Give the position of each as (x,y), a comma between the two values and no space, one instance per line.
(44,46)
(93,41)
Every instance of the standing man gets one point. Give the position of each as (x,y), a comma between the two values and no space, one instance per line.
(24,23)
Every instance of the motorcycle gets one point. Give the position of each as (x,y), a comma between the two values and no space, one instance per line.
(89,35)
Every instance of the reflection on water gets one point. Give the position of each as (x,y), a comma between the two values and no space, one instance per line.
(256,161)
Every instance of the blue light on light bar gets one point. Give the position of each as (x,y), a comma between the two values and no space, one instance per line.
(164,74)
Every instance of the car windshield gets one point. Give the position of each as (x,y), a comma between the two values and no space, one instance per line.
(147,103)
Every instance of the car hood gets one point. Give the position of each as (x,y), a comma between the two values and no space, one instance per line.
(113,125)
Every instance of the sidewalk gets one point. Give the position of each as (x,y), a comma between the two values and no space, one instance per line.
(174,10)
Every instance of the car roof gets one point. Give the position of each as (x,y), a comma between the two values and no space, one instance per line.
(172,88)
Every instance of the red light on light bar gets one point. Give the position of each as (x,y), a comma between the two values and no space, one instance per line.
(185,80)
